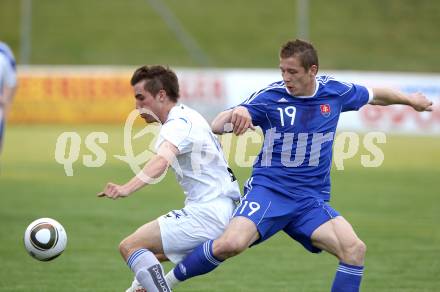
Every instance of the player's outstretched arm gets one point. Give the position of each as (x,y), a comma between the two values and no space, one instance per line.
(388,96)
(241,120)
(236,120)
(152,170)
(221,123)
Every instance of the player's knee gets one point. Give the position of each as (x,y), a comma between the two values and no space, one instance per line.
(127,247)
(124,248)
(354,254)
(224,249)
(360,249)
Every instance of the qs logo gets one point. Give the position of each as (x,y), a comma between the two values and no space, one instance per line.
(346,146)
(68,146)
(137,161)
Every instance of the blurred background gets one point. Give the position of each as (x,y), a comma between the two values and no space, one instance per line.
(391,35)
(75,59)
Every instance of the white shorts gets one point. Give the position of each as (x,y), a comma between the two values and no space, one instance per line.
(185,229)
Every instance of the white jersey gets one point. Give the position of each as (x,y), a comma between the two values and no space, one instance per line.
(7,67)
(201,168)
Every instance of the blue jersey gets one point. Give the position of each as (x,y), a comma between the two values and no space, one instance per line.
(296,155)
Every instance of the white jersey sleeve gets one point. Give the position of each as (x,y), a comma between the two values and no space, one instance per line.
(177,132)
(8,75)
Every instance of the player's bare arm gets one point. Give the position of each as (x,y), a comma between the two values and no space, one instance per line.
(153,169)
(388,96)
(221,122)
(241,120)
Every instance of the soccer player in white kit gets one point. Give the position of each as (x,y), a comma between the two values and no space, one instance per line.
(187,144)
(8,84)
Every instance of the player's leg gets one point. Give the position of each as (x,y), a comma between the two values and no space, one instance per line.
(139,250)
(255,220)
(337,237)
(161,257)
(320,227)
(184,230)
(135,285)
(239,235)
(147,236)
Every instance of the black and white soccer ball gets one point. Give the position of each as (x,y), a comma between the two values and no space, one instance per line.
(45,239)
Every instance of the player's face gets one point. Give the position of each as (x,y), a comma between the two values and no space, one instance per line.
(146,101)
(299,81)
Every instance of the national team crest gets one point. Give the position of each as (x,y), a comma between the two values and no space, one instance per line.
(325,110)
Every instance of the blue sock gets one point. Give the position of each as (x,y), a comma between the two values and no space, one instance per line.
(200,261)
(348,278)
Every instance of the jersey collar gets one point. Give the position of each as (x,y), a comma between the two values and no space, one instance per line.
(306,96)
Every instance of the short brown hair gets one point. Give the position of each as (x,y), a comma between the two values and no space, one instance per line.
(305,51)
(158,77)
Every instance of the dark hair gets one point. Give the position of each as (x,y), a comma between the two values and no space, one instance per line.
(301,49)
(158,77)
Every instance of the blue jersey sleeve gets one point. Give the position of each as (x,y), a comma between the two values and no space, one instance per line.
(355,97)
(256,107)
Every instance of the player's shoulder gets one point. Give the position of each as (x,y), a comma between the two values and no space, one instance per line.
(185,118)
(267,93)
(331,86)
(6,50)
(181,114)
(274,87)
(6,55)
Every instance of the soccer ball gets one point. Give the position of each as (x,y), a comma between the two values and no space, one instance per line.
(45,239)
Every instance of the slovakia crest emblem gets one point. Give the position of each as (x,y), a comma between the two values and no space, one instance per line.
(325,110)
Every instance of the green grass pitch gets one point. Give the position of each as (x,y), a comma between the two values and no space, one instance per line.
(394,208)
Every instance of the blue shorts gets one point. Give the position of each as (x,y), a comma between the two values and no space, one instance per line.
(272,211)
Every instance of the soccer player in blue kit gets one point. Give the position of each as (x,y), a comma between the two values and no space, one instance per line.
(289,189)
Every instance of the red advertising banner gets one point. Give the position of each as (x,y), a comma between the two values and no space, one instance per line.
(99,95)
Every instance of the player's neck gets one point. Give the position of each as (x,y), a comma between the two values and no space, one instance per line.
(310,90)
(168,105)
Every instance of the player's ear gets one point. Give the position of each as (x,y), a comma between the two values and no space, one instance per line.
(162,94)
(313,70)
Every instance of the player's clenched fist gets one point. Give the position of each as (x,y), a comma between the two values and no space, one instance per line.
(420,103)
(241,120)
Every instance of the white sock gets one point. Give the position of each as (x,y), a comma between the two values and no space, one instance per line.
(171,279)
(148,271)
